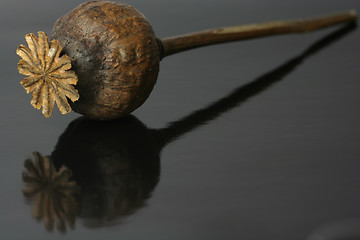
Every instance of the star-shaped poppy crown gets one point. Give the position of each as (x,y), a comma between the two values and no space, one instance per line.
(49,78)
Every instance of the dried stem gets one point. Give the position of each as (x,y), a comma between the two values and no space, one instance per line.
(227,34)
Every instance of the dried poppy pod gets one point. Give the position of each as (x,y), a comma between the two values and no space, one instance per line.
(114,52)
(115,55)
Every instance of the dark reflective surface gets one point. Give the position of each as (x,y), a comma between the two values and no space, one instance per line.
(269,157)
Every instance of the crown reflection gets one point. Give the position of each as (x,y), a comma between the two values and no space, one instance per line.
(53,194)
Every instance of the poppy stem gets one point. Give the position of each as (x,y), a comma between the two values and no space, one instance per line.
(181,43)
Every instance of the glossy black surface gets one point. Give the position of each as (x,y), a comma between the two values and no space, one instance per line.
(250,140)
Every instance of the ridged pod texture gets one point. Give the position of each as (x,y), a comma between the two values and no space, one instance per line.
(114,53)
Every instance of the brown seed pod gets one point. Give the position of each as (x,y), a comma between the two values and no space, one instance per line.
(114,52)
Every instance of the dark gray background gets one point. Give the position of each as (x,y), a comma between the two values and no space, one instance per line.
(282,165)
